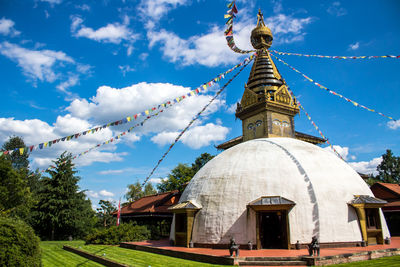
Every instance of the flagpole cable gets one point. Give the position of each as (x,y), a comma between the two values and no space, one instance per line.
(330,91)
(194,119)
(334,57)
(313,123)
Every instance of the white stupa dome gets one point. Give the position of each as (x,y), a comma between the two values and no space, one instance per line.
(318,183)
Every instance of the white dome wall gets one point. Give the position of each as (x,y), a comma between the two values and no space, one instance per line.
(318,182)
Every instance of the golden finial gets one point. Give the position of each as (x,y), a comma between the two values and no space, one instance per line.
(261,35)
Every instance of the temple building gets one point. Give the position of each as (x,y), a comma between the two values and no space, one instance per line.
(274,187)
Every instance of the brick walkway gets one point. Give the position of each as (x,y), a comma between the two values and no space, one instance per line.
(164,244)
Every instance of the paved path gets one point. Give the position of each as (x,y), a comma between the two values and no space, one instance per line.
(164,244)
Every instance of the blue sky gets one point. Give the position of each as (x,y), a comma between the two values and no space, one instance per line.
(67,66)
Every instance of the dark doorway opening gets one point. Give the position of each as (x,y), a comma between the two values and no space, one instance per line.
(273,229)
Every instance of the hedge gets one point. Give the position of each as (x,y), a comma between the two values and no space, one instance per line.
(19,246)
(116,234)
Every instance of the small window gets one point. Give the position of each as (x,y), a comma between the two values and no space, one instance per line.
(371,215)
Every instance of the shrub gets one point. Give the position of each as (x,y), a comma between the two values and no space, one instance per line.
(19,246)
(116,234)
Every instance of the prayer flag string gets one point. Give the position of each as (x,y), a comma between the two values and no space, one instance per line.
(313,123)
(334,57)
(332,92)
(248,60)
(115,138)
(230,15)
(128,119)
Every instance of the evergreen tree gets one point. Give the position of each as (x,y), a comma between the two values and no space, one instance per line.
(15,197)
(62,210)
(389,168)
(104,213)
(18,161)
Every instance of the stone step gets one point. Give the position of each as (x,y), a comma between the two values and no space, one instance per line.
(272,263)
(272,258)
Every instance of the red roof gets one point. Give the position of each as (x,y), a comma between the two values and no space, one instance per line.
(386,191)
(158,203)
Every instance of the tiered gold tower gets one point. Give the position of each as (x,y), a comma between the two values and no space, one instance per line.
(267,108)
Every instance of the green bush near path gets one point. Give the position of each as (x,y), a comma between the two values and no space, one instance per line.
(19,246)
(116,234)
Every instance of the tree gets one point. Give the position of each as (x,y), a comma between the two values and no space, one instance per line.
(62,209)
(104,213)
(15,196)
(18,160)
(149,189)
(177,179)
(201,161)
(182,174)
(134,192)
(389,168)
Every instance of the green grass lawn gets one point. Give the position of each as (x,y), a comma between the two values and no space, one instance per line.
(382,262)
(54,255)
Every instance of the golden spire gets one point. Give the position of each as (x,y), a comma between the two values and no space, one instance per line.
(261,35)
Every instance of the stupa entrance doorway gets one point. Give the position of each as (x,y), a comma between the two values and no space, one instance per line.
(273,229)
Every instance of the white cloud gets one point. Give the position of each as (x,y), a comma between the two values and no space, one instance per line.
(354,46)
(143,56)
(286,28)
(111,33)
(36,64)
(125,69)
(111,104)
(156,9)
(157,180)
(105,193)
(7,27)
(366,167)
(336,9)
(46,65)
(52,2)
(393,124)
(210,49)
(195,137)
(83,7)
(35,131)
(232,108)
(72,81)
(92,194)
(343,151)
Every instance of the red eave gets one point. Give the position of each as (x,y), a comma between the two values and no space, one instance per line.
(393,189)
(158,203)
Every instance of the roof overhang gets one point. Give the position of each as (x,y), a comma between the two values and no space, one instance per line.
(185,206)
(267,203)
(365,201)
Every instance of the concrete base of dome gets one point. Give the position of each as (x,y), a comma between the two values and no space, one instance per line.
(292,246)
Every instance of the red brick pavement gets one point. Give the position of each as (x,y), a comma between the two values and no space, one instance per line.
(164,244)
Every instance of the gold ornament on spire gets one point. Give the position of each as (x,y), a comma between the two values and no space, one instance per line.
(261,35)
